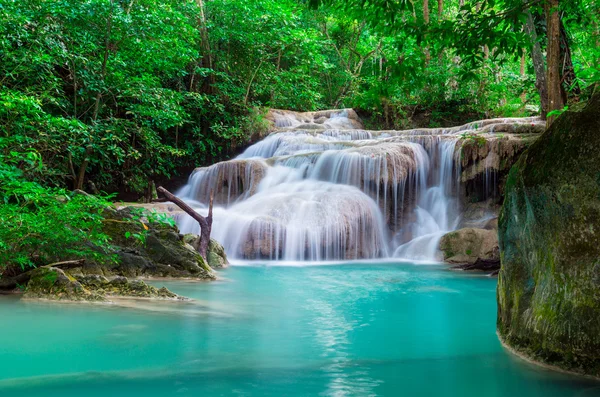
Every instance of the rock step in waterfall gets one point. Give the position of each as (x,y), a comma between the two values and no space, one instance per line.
(319,187)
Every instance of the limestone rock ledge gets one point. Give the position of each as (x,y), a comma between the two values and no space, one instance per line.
(549,229)
(50,283)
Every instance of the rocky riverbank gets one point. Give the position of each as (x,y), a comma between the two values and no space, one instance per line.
(140,249)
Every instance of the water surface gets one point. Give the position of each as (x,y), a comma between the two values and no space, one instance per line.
(360,329)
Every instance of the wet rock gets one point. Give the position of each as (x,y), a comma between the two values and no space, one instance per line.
(55,284)
(51,283)
(160,253)
(227,180)
(216,256)
(217,259)
(123,287)
(469,245)
(480,215)
(549,228)
(343,118)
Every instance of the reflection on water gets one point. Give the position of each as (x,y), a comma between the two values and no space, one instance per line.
(360,329)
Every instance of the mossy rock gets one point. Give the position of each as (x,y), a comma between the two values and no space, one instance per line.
(215,255)
(54,284)
(468,245)
(163,253)
(123,287)
(549,229)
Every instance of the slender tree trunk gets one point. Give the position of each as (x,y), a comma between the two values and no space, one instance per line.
(538,65)
(251,81)
(570,89)
(553,23)
(426,19)
(522,73)
(597,34)
(206,61)
(205,222)
(82,168)
(105,58)
(440,9)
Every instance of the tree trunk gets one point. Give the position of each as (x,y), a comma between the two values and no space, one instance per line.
(570,89)
(538,65)
(105,58)
(440,9)
(205,222)
(206,61)
(426,19)
(82,168)
(522,73)
(553,23)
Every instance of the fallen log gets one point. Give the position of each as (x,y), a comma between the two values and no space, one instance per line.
(204,222)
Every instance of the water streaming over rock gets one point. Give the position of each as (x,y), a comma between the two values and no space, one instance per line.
(321,188)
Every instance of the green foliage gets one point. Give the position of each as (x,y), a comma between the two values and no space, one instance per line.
(557,112)
(124,93)
(41,225)
(470,137)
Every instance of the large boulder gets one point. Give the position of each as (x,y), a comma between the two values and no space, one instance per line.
(146,249)
(470,245)
(549,228)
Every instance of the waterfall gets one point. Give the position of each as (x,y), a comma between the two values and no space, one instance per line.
(437,211)
(321,188)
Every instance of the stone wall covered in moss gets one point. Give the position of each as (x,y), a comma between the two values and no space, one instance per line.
(549,230)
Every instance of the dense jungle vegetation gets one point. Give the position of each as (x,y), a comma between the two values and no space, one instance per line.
(113,96)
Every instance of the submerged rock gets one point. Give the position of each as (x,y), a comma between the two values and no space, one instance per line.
(469,245)
(548,286)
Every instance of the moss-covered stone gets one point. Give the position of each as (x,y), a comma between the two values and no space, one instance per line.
(122,287)
(216,256)
(161,252)
(54,284)
(549,229)
(468,245)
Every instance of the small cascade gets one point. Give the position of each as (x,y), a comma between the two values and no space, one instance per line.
(437,210)
(321,188)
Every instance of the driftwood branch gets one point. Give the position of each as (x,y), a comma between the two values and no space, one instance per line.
(67,264)
(23,278)
(205,222)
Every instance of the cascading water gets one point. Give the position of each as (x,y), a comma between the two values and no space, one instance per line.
(437,209)
(321,189)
